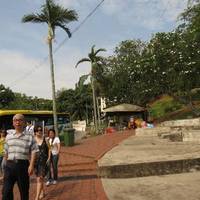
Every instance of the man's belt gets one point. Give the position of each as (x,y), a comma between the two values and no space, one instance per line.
(17,161)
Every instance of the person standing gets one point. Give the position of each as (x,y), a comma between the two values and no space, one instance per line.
(20,146)
(54,143)
(43,156)
(30,127)
(2,142)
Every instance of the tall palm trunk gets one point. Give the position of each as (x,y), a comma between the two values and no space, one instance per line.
(98,113)
(94,103)
(53,85)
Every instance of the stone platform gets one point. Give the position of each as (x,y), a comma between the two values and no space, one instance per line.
(140,156)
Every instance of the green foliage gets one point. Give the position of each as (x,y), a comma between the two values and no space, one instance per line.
(76,102)
(123,73)
(11,100)
(96,64)
(163,106)
(21,101)
(6,97)
(54,15)
(169,63)
(190,19)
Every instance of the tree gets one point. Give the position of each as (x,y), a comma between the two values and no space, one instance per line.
(174,65)
(76,102)
(55,16)
(123,73)
(65,98)
(190,19)
(93,59)
(6,96)
(22,101)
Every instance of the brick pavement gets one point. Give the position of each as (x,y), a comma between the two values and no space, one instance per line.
(78,170)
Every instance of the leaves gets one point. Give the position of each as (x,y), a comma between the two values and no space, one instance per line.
(77,102)
(6,96)
(54,16)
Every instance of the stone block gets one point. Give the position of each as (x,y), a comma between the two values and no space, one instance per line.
(157,131)
(191,136)
(182,123)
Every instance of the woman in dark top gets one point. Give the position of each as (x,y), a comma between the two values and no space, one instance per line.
(41,161)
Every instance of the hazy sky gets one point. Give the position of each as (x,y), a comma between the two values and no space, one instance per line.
(23,50)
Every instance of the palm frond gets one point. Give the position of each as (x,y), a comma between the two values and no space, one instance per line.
(59,14)
(82,79)
(66,16)
(83,60)
(99,50)
(54,15)
(35,18)
(64,28)
(92,49)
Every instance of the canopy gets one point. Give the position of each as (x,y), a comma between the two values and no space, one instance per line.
(124,108)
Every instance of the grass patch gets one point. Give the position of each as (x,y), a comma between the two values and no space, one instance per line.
(163,106)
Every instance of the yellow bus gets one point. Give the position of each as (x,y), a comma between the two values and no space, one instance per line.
(42,117)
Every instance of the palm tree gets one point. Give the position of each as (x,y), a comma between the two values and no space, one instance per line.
(93,59)
(54,16)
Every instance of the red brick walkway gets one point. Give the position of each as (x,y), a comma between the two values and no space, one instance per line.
(78,170)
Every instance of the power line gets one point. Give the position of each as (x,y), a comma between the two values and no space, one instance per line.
(36,67)
(24,76)
(79,26)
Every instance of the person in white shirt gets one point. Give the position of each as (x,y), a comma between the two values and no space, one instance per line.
(30,127)
(54,143)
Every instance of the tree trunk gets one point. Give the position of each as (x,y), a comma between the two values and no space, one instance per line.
(94,103)
(86,114)
(192,107)
(98,113)
(53,86)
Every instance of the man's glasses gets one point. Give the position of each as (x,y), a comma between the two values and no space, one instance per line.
(39,130)
(18,120)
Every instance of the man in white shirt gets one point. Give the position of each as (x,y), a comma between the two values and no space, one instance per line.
(30,127)
(20,151)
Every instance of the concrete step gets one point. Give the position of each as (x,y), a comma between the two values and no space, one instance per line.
(149,168)
(87,168)
(149,156)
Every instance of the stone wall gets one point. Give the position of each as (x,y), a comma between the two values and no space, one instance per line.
(156,131)
(184,123)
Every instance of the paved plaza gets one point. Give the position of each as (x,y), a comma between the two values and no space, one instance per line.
(78,170)
(183,186)
(80,167)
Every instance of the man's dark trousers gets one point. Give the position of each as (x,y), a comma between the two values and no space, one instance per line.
(16,171)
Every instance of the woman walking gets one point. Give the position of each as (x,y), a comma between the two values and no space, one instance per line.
(42,158)
(54,143)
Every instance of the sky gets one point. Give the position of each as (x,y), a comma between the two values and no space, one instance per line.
(24,63)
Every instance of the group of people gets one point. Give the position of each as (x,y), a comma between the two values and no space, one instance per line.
(24,152)
(139,123)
